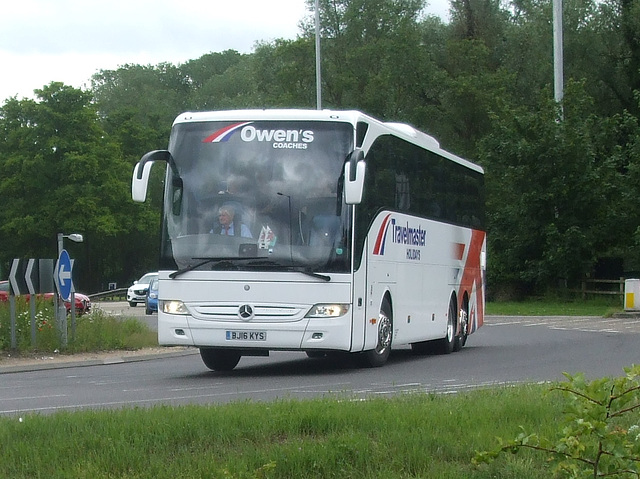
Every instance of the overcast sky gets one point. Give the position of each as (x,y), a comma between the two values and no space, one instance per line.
(69,40)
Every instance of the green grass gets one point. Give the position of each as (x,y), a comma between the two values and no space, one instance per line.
(556,307)
(412,436)
(96,331)
(99,331)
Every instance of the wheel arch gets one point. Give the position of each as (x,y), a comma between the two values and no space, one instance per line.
(387,297)
(383,334)
(453,298)
(464,299)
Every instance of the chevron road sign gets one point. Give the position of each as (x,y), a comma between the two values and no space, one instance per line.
(31,276)
(16,277)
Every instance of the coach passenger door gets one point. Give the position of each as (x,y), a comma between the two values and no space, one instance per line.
(353,176)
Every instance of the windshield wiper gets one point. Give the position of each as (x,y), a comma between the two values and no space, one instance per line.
(220,261)
(313,274)
(287,267)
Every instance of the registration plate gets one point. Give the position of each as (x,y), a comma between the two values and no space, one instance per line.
(246,335)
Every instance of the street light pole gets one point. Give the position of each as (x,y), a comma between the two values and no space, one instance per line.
(318,74)
(558,60)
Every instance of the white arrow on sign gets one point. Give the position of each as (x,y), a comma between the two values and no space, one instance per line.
(27,276)
(12,276)
(63,274)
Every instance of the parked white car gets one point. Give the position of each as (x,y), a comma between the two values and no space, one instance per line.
(137,292)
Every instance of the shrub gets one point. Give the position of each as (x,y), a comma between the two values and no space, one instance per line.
(601,433)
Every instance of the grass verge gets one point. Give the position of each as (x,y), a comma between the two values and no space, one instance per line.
(96,331)
(412,436)
(555,307)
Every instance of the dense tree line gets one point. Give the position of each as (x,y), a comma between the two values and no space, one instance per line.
(562,180)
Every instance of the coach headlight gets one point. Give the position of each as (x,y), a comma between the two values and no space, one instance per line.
(328,310)
(174,307)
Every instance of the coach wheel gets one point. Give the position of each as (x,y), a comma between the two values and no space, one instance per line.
(463,321)
(220,359)
(378,356)
(448,342)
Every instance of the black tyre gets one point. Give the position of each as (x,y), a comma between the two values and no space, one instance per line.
(379,356)
(446,344)
(463,319)
(220,359)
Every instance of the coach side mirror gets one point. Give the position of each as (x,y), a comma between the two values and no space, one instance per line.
(140,178)
(354,173)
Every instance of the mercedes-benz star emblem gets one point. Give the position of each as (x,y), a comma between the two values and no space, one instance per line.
(245,312)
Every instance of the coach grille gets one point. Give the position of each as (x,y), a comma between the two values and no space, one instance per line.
(262,313)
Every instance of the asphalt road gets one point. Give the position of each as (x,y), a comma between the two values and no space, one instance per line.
(506,350)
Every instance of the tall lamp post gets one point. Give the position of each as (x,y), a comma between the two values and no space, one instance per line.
(60,309)
(558,60)
(318,74)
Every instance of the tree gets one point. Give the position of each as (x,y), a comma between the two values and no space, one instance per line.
(62,173)
(152,96)
(284,73)
(221,81)
(473,89)
(630,22)
(475,76)
(370,54)
(550,194)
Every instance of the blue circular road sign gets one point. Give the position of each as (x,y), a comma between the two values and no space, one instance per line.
(63,277)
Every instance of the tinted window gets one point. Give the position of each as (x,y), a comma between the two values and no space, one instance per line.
(406,178)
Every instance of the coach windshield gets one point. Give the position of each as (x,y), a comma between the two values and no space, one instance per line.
(257,195)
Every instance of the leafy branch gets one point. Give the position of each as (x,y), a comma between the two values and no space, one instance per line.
(600,436)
